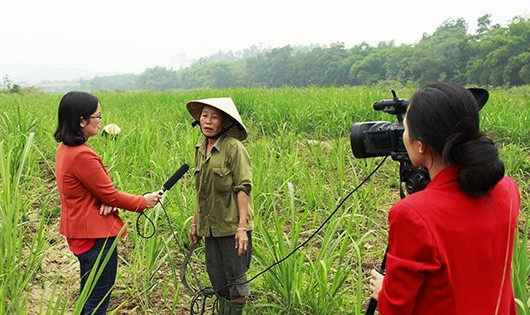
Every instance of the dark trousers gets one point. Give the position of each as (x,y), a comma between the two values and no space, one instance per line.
(87,261)
(227,270)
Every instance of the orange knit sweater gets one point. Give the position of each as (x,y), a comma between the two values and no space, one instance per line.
(84,184)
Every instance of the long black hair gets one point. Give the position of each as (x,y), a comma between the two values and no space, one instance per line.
(445,117)
(74,106)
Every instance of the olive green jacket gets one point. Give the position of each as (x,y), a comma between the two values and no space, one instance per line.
(218,179)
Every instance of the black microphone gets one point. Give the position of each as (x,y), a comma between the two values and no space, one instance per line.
(174,179)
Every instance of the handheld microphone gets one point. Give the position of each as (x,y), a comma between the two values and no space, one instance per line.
(174,179)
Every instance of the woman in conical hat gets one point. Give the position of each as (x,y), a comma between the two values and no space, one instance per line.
(223,213)
(233,125)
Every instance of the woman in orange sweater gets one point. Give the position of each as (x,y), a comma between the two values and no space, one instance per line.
(89,202)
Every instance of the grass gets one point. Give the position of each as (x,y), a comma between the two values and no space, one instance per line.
(521,272)
(302,169)
(22,240)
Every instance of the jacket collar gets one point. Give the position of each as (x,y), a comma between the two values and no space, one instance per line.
(448,174)
(201,146)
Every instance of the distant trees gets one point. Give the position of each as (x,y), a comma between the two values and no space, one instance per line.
(493,56)
(111,83)
(439,57)
(501,55)
(157,79)
(7,85)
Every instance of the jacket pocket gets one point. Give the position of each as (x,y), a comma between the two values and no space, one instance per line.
(222,179)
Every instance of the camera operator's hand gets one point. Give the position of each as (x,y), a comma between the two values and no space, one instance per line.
(376,283)
(152,199)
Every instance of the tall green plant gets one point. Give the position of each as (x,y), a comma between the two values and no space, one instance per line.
(299,136)
(521,272)
(333,267)
(145,279)
(21,253)
(285,280)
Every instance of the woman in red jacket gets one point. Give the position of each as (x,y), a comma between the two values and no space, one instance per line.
(89,216)
(450,245)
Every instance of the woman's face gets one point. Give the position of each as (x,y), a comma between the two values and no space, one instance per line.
(211,121)
(91,126)
(410,145)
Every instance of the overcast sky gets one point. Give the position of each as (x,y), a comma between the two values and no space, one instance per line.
(128,36)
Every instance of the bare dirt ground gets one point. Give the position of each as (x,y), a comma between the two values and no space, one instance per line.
(60,272)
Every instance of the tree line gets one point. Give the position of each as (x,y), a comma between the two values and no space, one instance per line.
(493,56)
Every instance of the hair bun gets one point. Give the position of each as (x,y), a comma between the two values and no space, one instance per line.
(480,165)
(465,131)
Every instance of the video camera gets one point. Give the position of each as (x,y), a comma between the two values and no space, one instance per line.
(382,138)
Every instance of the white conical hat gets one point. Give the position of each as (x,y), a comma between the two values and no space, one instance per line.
(226,105)
(112,129)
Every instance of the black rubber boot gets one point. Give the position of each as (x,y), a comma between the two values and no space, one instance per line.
(222,307)
(234,308)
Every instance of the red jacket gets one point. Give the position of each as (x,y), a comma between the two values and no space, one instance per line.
(450,253)
(84,184)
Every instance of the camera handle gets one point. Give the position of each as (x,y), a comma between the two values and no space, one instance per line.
(373,302)
(414,179)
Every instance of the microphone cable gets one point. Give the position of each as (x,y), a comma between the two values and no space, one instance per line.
(141,234)
(209,292)
(167,186)
(138,230)
(142,214)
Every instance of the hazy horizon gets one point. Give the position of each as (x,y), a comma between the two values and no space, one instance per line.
(117,37)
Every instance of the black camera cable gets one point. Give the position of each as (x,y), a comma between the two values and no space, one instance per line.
(197,307)
(209,292)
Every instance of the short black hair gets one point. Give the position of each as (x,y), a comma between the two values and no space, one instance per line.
(74,106)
